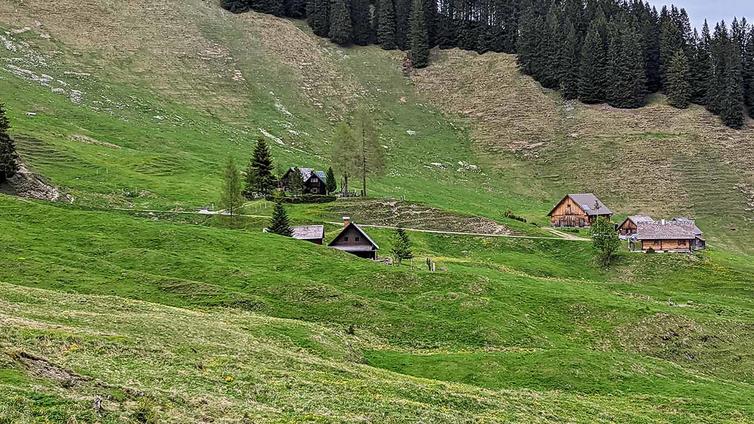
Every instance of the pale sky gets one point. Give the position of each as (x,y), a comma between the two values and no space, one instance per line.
(714,11)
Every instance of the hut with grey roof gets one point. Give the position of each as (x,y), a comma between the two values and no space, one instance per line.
(578,210)
(355,241)
(311,233)
(667,236)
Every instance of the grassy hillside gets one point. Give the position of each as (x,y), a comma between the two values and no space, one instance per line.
(137,105)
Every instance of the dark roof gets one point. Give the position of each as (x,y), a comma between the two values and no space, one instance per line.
(637,219)
(664,231)
(306,173)
(354,248)
(309,232)
(587,202)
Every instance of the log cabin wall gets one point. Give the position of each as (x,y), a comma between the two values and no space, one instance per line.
(569,214)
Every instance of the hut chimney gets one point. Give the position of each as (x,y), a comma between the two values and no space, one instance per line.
(663,222)
(346,221)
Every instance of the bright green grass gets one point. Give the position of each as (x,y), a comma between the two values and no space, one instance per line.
(507,313)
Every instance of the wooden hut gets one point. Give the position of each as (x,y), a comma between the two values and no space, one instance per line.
(578,210)
(629,225)
(355,241)
(666,236)
(315,182)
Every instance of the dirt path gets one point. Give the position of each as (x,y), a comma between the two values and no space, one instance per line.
(559,235)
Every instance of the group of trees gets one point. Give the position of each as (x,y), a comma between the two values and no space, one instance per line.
(8,155)
(356,150)
(618,52)
(595,50)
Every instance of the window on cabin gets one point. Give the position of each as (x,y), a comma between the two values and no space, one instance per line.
(358,239)
(681,242)
(345,238)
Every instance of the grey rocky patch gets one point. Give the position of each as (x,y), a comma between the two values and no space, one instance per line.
(27,184)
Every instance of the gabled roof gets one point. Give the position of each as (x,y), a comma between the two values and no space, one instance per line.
(360,231)
(309,232)
(664,231)
(637,219)
(306,174)
(587,202)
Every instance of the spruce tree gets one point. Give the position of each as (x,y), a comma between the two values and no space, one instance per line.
(700,66)
(569,64)
(401,245)
(732,111)
(402,25)
(318,16)
(8,155)
(593,68)
(528,39)
(331,185)
(748,75)
(360,22)
(419,36)
(279,224)
(627,88)
(386,25)
(677,87)
(548,67)
(717,85)
(445,37)
(341,30)
(230,198)
(259,178)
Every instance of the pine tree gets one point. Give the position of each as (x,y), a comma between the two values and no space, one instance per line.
(360,22)
(279,224)
(295,8)
(318,16)
(386,28)
(593,68)
(717,84)
(605,241)
(259,178)
(528,39)
(230,198)
(445,36)
(700,66)
(748,75)
(331,185)
(8,155)
(547,69)
(569,64)
(419,36)
(235,6)
(402,25)
(401,245)
(627,88)
(732,111)
(677,85)
(341,31)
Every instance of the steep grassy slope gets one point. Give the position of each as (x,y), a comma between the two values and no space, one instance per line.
(656,160)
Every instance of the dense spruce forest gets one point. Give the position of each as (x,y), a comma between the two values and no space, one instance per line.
(598,51)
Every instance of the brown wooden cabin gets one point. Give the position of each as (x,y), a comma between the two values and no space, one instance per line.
(310,233)
(667,237)
(355,241)
(315,182)
(578,210)
(629,225)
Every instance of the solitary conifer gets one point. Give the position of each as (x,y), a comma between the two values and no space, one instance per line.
(8,155)
(259,178)
(401,245)
(331,184)
(231,199)
(279,223)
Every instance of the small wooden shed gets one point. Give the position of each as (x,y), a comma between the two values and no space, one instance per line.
(355,241)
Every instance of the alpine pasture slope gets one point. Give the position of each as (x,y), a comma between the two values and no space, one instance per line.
(109,316)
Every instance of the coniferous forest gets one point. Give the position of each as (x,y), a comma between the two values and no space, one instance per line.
(597,51)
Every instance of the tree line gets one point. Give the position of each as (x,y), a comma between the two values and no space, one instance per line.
(597,51)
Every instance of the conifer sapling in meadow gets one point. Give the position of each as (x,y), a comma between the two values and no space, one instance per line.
(231,198)
(605,241)
(8,155)
(279,223)
(401,245)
